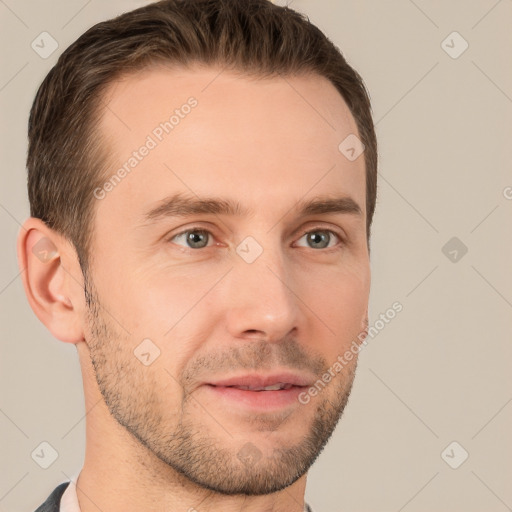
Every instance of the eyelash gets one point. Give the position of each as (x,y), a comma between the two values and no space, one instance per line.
(200,229)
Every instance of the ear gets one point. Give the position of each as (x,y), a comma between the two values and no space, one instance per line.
(52,279)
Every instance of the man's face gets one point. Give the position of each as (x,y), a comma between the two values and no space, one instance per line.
(272,294)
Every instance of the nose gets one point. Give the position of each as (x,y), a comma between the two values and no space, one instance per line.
(261,302)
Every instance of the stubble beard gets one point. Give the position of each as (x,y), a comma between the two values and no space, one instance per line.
(218,464)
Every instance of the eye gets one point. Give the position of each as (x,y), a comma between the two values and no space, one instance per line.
(320,238)
(197,238)
(194,238)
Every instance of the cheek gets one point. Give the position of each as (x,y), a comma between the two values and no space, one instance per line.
(340,300)
(152,299)
(171,309)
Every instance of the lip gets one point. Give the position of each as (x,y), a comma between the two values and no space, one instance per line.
(260,401)
(260,381)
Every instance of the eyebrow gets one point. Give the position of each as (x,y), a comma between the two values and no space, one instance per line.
(182,205)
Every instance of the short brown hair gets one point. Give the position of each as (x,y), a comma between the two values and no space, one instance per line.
(66,160)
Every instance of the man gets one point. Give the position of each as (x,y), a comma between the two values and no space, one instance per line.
(202,182)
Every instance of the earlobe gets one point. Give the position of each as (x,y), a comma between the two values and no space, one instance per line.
(46,280)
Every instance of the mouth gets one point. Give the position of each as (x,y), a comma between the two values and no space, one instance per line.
(260,392)
(273,387)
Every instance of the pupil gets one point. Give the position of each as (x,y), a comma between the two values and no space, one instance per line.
(317,238)
(194,237)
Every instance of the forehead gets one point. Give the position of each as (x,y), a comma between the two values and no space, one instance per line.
(210,131)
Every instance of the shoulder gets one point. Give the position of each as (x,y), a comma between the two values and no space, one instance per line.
(52,503)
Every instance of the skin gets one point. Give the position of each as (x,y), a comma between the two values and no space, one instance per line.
(153,432)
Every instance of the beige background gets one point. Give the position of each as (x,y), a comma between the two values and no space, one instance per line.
(435,374)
